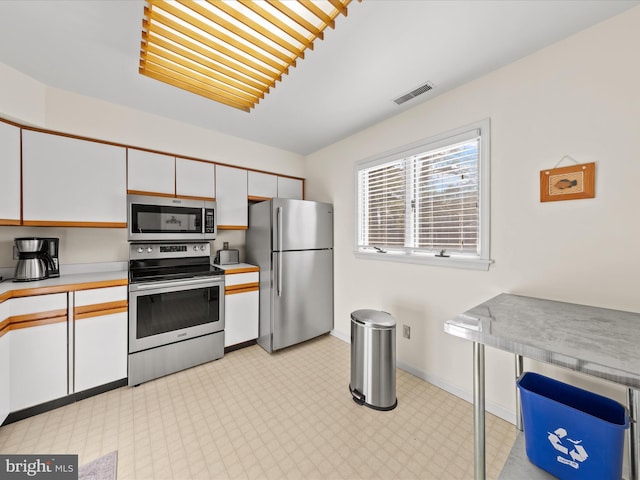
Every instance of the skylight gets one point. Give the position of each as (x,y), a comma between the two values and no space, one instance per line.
(232,51)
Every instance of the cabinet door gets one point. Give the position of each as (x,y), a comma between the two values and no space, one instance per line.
(241,307)
(67,181)
(289,188)
(100,350)
(195,179)
(100,338)
(4,362)
(231,198)
(4,369)
(38,350)
(149,172)
(241,317)
(10,177)
(262,186)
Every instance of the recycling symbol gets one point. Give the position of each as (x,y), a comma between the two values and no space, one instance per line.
(573,454)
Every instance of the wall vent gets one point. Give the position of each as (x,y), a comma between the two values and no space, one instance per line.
(414,93)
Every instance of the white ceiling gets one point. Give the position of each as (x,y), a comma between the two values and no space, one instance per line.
(383,49)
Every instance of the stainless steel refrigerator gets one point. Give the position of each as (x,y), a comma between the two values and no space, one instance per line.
(292,243)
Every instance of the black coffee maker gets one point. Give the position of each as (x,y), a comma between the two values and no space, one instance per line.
(37,258)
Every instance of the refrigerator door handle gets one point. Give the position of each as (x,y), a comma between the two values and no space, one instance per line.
(279,233)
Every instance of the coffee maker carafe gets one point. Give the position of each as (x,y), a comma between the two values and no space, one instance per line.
(37,258)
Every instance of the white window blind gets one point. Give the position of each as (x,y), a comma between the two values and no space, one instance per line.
(445,208)
(426,200)
(385,204)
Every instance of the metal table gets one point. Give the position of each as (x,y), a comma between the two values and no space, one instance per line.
(600,342)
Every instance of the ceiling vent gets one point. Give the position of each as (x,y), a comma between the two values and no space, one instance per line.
(414,93)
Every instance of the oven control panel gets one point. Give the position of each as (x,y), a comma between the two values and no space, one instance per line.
(139,251)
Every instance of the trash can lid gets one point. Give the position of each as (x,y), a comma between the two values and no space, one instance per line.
(374,318)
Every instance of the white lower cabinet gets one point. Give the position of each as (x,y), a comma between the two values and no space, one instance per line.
(38,350)
(5,407)
(241,307)
(100,350)
(43,359)
(100,337)
(5,398)
(241,317)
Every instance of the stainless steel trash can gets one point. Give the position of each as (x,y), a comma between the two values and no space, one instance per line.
(373,359)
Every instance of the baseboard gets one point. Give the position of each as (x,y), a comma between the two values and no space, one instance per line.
(341,336)
(238,346)
(493,408)
(61,402)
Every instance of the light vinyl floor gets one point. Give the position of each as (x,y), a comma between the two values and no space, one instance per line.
(252,415)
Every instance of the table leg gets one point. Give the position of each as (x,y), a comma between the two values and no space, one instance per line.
(519,371)
(634,435)
(478,411)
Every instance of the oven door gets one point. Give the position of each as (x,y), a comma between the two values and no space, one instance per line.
(161,313)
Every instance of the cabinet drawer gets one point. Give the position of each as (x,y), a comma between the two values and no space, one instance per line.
(4,318)
(241,278)
(100,295)
(37,304)
(100,301)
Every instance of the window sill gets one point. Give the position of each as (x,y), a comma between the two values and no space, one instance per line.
(432,260)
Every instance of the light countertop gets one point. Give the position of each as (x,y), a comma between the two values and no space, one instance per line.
(596,341)
(63,283)
(230,269)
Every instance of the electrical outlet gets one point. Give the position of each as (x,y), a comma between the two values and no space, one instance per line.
(406,331)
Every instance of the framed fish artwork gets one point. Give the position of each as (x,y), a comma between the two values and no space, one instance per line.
(568,183)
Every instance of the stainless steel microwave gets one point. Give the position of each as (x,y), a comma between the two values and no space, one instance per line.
(161,219)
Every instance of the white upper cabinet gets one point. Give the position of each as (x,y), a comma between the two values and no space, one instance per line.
(159,174)
(68,181)
(289,188)
(149,172)
(231,197)
(262,186)
(195,179)
(10,177)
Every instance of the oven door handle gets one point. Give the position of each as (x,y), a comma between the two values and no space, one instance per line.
(155,285)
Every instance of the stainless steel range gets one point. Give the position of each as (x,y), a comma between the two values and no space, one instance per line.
(176,308)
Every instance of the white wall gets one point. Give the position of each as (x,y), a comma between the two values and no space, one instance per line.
(22,98)
(579,97)
(29,102)
(90,117)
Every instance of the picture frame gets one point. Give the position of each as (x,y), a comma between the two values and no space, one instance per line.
(568,183)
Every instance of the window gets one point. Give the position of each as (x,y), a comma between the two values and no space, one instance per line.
(428,202)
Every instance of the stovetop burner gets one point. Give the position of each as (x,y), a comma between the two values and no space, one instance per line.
(158,262)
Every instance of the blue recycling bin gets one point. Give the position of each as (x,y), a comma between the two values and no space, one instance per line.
(572,433)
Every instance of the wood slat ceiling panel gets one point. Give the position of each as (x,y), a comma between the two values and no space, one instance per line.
(231,52)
